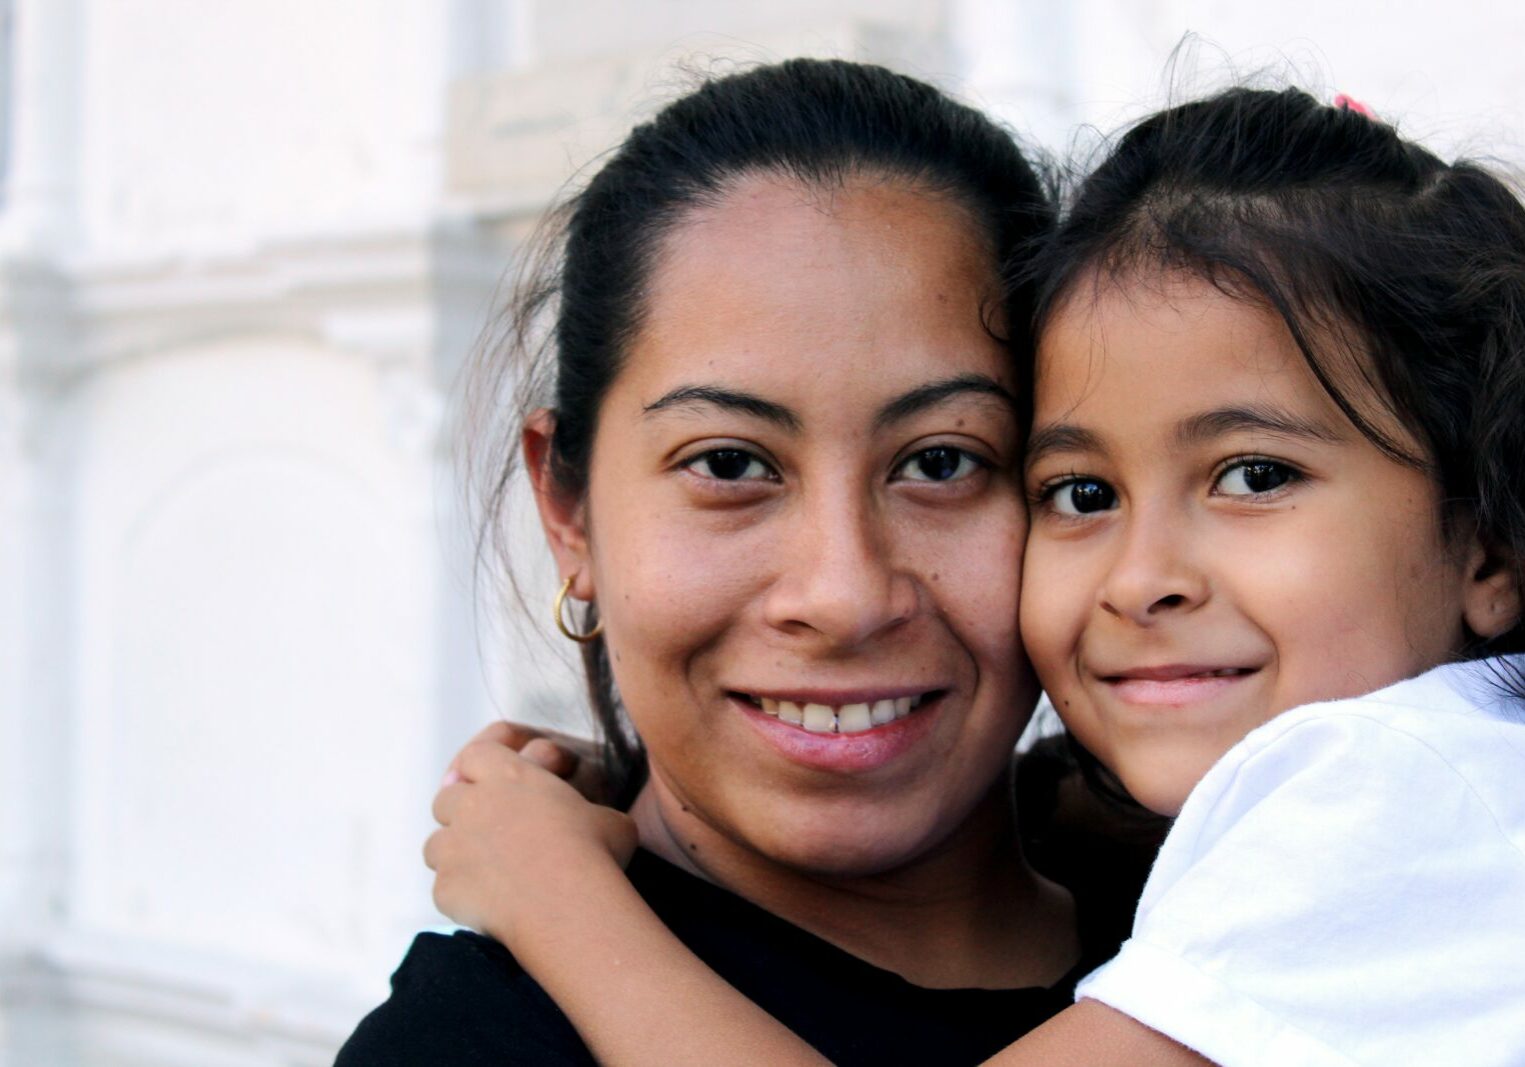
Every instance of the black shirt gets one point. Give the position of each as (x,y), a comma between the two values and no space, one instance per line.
(463,1000)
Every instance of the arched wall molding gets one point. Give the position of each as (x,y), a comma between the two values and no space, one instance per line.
(80,954)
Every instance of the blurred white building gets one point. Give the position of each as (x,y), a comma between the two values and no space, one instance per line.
(245,247)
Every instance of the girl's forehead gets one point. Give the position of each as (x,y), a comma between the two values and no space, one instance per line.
(1179,332)
(1161,348)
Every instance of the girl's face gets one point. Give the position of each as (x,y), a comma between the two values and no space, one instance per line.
(1212,541)
(802,516)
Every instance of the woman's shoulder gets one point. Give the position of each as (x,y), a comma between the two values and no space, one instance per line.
(462,998)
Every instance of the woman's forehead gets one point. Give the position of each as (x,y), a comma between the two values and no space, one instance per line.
(820,305)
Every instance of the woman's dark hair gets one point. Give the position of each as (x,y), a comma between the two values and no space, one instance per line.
(1390,268)
(816,122)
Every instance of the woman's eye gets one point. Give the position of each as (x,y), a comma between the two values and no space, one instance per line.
(1253,477)
(1082,496)
(729,465)
(943,463)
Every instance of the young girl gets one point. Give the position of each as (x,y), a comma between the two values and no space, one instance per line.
(1277,460)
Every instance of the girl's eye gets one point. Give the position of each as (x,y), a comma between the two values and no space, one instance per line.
(942,463)
(1082,496)
(1252,477)
(730,465)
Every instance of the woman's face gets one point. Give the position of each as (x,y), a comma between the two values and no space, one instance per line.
(803,525)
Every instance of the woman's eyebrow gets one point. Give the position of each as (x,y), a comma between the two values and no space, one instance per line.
(934,393)
(1255,418)
(696,395)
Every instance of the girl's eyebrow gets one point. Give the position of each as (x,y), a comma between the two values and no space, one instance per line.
(1066,437)
(1251,417)
(1060,437)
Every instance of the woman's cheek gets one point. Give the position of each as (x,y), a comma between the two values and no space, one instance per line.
(670,589)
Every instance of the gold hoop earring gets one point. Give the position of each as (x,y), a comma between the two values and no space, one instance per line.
(561,624)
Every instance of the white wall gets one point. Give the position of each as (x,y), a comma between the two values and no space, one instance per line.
(1447,72)
(299,117)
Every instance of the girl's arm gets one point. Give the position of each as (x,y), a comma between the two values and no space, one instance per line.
(523,857)
(1090,1034)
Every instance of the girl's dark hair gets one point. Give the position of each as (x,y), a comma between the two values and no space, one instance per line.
(817,122)
(1388,266)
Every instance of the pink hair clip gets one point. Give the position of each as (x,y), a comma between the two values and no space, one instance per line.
(1350,103)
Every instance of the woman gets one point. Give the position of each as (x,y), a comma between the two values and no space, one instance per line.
(779,468)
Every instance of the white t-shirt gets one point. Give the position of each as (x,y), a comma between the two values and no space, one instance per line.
(1346,886)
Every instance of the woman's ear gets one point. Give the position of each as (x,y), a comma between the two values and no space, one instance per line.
(563,515)
(1491,598)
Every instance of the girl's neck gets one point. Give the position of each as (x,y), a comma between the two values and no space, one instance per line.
(969,913)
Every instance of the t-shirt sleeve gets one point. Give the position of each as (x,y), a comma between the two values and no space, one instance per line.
(1339,894)
(462,1000)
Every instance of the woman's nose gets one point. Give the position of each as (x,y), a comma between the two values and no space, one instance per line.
(840,580)
(1154,574)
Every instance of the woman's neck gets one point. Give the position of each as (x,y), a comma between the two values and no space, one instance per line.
(969,912)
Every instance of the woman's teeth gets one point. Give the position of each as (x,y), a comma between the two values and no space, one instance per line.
(847,719)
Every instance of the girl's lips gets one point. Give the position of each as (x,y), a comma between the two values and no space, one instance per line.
(849,752)
(1175,686)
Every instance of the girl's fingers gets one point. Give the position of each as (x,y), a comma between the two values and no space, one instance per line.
(510,735)
(579,747)
(550,755)
(432,846)
(561,754)
(482,758)
(620,833)
(447,801)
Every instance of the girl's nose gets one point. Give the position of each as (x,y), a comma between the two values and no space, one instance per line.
(839,580)
(1153,575)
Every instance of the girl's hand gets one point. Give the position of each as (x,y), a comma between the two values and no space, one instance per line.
(515,841)
(576,759)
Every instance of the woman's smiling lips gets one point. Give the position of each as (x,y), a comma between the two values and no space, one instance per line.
(1173,685)
(841,730)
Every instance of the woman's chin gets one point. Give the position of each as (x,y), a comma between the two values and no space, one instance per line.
(847,861)
(844,844)
(841,829)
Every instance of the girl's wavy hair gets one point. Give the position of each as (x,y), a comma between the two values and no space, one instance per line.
(1392,270)
(579,299)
